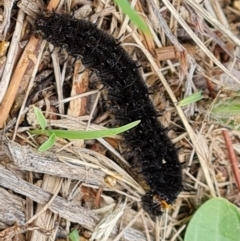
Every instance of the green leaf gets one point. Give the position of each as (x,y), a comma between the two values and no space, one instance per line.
(86,135)
(40,117)
(135,18)
(217,219)
(74,236)
(191,99)
(48,144)
(226,111)
(226,108)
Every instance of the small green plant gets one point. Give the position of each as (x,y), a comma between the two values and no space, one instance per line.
(84,135)
(217,219)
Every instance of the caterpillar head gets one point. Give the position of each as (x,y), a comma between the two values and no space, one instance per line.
(153,204)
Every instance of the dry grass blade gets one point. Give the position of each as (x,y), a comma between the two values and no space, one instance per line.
(104,228)
(198,41)
(206,15)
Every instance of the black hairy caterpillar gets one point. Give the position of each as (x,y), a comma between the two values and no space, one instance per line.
(155,154)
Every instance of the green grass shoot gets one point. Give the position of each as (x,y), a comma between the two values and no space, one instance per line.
(191,99)
(135,18)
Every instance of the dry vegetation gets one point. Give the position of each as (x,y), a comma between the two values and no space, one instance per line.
(79,184)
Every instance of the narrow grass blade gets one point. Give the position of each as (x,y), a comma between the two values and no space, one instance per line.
(135,18)
(191,99)
(48,144)
(86,135)
(40,117)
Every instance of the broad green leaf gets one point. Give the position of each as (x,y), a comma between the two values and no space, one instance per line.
(74,236)
(217,219)
(40,117)
(48,144)
(86,135)
(135,18)
(191,99)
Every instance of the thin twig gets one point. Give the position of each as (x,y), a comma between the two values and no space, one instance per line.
(232,157)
